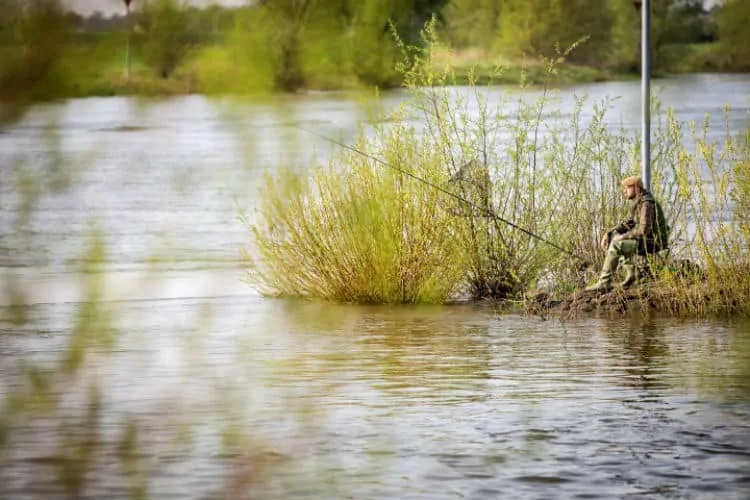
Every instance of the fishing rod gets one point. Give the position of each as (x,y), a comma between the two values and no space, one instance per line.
(484,211)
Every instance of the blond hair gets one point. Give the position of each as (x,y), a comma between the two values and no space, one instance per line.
(633,180)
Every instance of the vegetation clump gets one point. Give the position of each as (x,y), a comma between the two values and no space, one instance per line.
(491,180)
(356,231)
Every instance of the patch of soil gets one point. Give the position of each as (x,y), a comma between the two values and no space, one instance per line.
(615,301)
(648,294)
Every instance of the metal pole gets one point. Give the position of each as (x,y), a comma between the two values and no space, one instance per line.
(127,49)
(127,39)
(646,92)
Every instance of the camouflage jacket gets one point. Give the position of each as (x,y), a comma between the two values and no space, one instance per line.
(646,223)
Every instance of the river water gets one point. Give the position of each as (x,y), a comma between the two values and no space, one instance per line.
(333,401)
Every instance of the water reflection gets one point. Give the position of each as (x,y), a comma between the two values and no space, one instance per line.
(533,411)
(638,346)
(429,353)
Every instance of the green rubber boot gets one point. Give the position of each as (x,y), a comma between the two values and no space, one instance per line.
(631,274)
(608,269)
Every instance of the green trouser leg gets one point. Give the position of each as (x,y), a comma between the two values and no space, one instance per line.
(622,248)
(627,249)
(610,266)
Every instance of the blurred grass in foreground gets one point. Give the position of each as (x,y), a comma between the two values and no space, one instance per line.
(77,414)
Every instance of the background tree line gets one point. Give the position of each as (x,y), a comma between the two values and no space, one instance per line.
(291,44)
(611,27)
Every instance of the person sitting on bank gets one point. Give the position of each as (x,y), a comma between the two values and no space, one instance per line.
(645,232)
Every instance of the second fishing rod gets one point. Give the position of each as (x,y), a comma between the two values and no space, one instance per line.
(485,212)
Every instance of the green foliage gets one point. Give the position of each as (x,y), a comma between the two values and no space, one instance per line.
(324,52)
(244,62)
(286,45)
(320,43)
(675,25)
(288,20)
(733,19)
(167,38)
(665,30)
(34,37)
(472,23)
(372,50)
(591,22)
(692,23)
(626,35)
(359,231)
(741,192)
(536,27)
(712,179)
(525,28)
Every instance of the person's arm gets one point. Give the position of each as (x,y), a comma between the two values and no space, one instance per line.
(623,227)
(616,232)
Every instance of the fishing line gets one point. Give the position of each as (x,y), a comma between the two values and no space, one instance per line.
(484,211)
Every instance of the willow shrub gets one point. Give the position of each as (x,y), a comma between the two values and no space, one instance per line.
(359,231)
(714,177)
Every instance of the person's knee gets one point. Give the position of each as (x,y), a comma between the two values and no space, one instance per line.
(625,248)
(628,248)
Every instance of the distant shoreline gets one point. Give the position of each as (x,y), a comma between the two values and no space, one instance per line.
(81,73)
(146,85)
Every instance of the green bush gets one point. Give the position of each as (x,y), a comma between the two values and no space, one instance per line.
(167,39)
(30,55)
(358,230)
